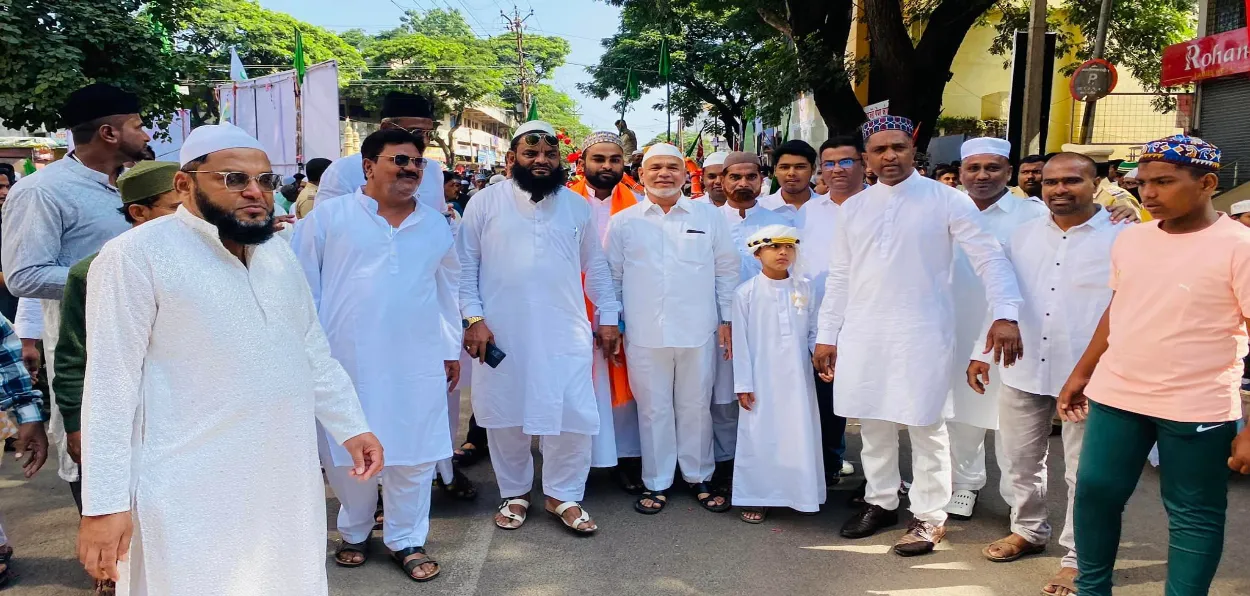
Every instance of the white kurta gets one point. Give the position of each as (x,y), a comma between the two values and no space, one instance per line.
(522,264)
(189,426)
(967,406)
(779,459)
(387,299)
(888,303)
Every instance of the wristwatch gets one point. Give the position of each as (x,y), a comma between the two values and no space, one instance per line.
(471,320)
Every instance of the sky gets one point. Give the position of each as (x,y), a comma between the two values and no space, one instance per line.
(582,22)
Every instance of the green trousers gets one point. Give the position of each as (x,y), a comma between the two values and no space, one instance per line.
(1193,478)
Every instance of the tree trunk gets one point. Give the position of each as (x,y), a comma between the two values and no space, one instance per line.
(914,78)
(820,30)
(731,129)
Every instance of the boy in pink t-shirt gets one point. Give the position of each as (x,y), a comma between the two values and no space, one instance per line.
(1182,291)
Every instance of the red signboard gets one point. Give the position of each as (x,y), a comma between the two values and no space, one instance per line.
(1208,57)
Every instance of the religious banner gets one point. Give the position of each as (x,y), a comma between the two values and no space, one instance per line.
(1207,57)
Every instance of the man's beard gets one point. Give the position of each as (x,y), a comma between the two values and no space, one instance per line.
(229,227)
(1033,190)
(539,187)
(605,179)
(664,193)
(743,195)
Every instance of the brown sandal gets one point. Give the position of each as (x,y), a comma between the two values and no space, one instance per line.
(346,547)
(1010,551)
(1059,581)
(410,565)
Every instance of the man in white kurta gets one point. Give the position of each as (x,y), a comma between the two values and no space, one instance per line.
(189,431)
(984,173)
(779,462)
(675,268)
(384,275)
(887,324)
(522,255)
(741,180)
(603,162)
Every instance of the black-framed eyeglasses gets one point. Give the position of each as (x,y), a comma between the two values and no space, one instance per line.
(402,160)
(238,181)
(534,138)
(845,163)
(417,131)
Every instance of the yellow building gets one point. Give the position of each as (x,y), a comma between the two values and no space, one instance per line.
(981,88)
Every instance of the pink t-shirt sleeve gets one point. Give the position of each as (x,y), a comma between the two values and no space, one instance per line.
(1241,274)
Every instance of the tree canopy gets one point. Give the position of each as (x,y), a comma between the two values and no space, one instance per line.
(47,50)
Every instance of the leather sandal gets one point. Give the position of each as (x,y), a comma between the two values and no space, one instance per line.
(347,547)
(1009,550)
(519,518)
(573,525)
(412,564)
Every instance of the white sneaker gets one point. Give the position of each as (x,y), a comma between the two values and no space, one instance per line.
(962,503)
(847,469)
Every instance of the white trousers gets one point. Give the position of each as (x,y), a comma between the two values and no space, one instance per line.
(625,422)
(968,459)
(65,466)
(445,470)
(1024,421)
(930,466)
(673,388)
(725,430)
(603,445)
(405,495)
(566,463)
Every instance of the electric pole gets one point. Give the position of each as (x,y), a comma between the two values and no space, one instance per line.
(1035,95)
(1100,45)
(516,24)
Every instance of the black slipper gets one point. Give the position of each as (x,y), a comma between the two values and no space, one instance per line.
(656,496)
(700,488)
(345,546)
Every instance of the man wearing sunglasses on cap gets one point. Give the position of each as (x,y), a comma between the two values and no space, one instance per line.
(524,247)
(412,113)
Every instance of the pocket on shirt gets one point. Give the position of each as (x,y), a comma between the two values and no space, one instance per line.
(694,248)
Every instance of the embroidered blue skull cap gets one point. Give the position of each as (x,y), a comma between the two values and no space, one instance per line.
(884,123)
(1182,150)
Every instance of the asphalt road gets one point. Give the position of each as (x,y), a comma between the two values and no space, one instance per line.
(683,551)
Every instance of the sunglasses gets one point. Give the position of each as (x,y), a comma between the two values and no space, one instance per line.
(845,164)
(417,131)
(536,138)
(402,160)
(239,181)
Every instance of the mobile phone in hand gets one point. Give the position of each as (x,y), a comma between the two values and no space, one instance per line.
(493,355)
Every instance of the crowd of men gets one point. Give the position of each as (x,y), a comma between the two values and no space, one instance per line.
(725,338)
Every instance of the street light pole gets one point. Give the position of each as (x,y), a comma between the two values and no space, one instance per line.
(1100,46)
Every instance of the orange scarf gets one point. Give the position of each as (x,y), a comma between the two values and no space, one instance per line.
(622,198)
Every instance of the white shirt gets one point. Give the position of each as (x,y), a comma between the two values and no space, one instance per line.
(1063,277)
(816,222)
(888,302)
(601,212)
(521,268)
(741,228)
(347,174)
(1001,219)
(181,386)
(28,322)
(385,296)
(674,272)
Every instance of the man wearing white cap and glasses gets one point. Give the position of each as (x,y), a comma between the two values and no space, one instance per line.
(524,247)
(675,268)
(183,315)
(984,171)
(713,174)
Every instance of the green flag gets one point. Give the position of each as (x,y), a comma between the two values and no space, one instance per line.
(665,66)
(632,91)
(28,167)
(533,115)
(299,57)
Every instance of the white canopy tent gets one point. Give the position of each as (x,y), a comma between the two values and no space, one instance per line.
(265,107)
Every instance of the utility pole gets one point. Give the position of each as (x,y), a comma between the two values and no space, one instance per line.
(516,24)
(1100,45)
(1034,94)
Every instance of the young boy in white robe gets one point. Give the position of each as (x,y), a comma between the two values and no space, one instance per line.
(779,462)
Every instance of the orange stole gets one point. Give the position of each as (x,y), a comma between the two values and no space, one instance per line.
(622,198)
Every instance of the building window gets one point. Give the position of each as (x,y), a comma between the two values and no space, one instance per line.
(1225,15)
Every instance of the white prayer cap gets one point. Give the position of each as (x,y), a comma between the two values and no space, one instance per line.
(1131,173)
(715,159)
(985,146)
(212,138)
(772,234)
(496,179)
(1239,207)
(663,150)
(534,126)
